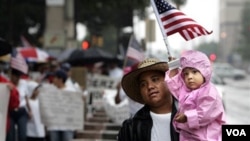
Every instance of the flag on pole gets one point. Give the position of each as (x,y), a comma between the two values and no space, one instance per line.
(134,55)
(135,50)
(174,21)
(18,62)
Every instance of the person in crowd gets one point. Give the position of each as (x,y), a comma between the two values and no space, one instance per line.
(133,105)
(19,116)
(14,97)
(35,127)
(153,122)
(200,112)
(59,133)
(114,71)
(120,96)
(70,82)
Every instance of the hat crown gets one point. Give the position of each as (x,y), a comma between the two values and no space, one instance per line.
(148,62)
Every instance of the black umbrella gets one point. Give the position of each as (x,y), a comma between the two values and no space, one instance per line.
(5,47)
(90,56)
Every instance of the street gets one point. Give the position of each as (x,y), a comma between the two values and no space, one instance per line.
(237,99)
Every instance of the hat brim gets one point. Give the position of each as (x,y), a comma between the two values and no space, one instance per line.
(130,83)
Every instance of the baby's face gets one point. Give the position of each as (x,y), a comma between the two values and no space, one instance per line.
(192,78)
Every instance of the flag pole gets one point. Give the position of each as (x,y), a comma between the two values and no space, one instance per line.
(161,27)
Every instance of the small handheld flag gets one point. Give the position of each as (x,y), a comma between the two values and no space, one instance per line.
(18,62)
(134,55)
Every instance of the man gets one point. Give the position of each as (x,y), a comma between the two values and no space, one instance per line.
(13,100)
(69,82)
(20,115)
(133,105)
(153,122)
(59,133)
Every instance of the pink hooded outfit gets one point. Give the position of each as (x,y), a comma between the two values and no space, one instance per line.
(203,106)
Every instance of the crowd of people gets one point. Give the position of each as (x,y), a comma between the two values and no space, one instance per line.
(180,104)
(24,106)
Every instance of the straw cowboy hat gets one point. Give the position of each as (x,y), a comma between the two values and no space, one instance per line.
(130,82)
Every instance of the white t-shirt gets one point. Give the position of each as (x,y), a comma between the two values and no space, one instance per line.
(161,127)
(75,85)
(116,73)
(23,91)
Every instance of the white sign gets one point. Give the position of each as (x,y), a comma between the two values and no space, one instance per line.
(61,109)
(95,97)
(4,102)
(102,81)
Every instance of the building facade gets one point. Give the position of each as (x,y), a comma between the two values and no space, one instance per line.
(230,28)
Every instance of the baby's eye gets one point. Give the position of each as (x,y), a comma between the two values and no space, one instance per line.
(195,71)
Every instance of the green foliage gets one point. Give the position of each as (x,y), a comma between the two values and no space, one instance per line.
(97,14)
(18,16)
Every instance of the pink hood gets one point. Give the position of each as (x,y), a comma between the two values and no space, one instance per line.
(198,60)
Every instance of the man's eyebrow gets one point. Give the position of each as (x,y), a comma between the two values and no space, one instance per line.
(151,76)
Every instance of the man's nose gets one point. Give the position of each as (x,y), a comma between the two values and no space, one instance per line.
(150,85)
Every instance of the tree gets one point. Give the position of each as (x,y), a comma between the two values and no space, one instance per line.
(100,15)
(18,17)
(244,43)
(97,14)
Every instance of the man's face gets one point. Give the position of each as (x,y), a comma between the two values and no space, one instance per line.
(153,88)
(15,79)
(57,81)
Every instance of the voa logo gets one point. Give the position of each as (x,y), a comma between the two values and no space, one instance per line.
(236,132)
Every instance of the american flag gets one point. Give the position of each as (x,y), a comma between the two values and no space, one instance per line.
(174,21)
(18,62)
(135,50)
(134,55)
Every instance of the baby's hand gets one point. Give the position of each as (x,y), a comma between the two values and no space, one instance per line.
(180,117)
(171,58)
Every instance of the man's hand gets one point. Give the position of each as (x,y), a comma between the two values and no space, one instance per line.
(180,117)
(30,114)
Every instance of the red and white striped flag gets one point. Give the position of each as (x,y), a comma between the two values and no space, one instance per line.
(18,62)
(134,55)
(174,21)
(135,50)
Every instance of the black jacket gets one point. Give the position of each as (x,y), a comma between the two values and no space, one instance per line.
(139,127)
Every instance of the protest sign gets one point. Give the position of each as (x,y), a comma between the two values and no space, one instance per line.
(61,109)
(4,102)
(102,81)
